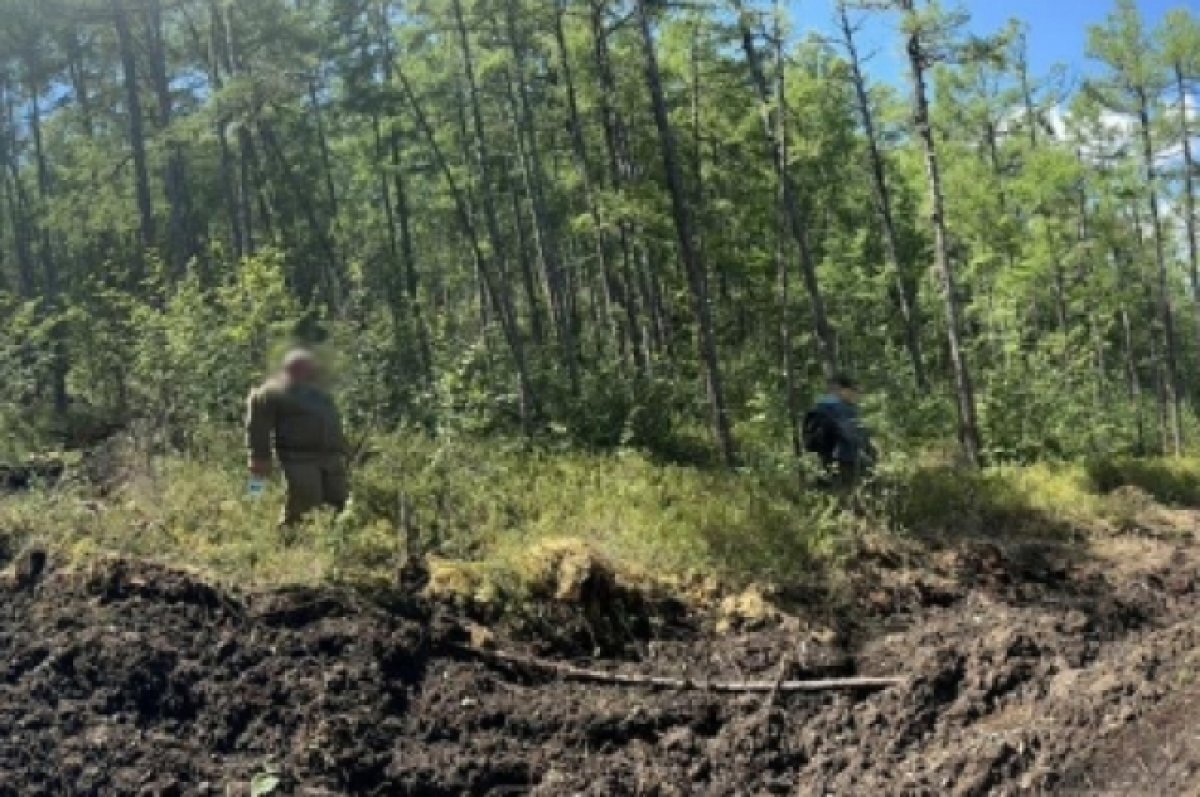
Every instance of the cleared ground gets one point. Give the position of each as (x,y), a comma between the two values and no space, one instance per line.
(1029,669)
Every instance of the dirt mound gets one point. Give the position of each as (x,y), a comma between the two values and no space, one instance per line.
(1027,672)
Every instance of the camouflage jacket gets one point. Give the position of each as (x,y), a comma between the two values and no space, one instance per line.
(295,421)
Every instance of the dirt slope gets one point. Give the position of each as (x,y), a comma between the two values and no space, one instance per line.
(1031,670)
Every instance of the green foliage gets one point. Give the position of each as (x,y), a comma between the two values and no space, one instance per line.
(1040,501)
(1173,481)
(476,500)
(501,522)
(493,254)
(264,784)
(24,365)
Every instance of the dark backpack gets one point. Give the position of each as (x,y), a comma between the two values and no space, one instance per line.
(820,434)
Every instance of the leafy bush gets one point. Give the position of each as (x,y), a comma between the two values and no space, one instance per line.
(1169,480)
(499,518)
(476,499)
(944,500)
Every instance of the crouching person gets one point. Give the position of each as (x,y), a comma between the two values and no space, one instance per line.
(293,418)
(834,431)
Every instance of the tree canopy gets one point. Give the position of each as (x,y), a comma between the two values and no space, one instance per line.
(610,222)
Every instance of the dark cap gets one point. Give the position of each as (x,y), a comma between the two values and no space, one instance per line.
(844,381)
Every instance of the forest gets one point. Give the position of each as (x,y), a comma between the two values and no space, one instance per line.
(601,224)
(576,271)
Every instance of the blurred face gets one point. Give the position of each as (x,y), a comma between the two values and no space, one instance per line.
(303,371)
(847,394)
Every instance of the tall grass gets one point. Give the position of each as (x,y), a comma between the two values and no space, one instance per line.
(490,508)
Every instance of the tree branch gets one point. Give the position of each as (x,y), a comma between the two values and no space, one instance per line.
(571,673)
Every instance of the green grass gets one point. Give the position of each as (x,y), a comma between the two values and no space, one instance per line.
(492,501)
(498,518)
(1172,481)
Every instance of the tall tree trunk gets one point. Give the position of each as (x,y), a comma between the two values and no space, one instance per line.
(621,289)
(408,258)
(330,275)
(217,61)
(822,330)
(484,266)
(15,195)
(248,169)
(181,248)
(1189,192)
(635,266)
(331,195)
(77,71)
(783,272)
(699,196)
(968,423)
(905,284)
(137,136)
(525,260)
(545,228)
(1031,116)
(26,283)
(497,290)
(1163,296)
(697,279)
(1129,346)
(466,147)
(53,303)
(399,211)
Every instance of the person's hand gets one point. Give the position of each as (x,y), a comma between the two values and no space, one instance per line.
(260,468)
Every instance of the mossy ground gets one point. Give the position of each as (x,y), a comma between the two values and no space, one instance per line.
(501,521)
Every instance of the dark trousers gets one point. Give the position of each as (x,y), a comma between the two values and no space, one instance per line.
(313,483)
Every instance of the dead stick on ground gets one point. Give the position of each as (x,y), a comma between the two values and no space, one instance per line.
(768,704)
(569,672)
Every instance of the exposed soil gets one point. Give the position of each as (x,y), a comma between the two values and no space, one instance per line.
(1030,669)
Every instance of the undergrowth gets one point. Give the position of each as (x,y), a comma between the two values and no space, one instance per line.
(489,515)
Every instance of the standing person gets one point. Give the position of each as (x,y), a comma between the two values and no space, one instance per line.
(833,431)
(292,417)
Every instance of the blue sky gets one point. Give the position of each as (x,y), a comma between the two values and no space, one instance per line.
(1058,28)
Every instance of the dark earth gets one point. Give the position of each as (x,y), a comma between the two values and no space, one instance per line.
(1028,668)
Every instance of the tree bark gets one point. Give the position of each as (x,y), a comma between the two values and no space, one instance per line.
(247,185)
(545,229)
(968,423)
(783,272)
(1189,193)
(696,277)
(1173,395)
(622,290)
(58,364)
(408,259)
(1031,117)
(822,330)
(906,286)
(16,196)
(329,273)
(137,136)
(496,290)
(400,215)
(484,266)
(635,267)
(181,247)
(229,192)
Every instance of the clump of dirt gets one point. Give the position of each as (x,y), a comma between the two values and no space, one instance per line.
(1027,670)
(564,598)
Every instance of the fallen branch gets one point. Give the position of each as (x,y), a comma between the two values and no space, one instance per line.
(768,705)
(572,673)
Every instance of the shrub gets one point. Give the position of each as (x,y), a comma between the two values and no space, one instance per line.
(1169,480)
(944,500)
(476,499)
